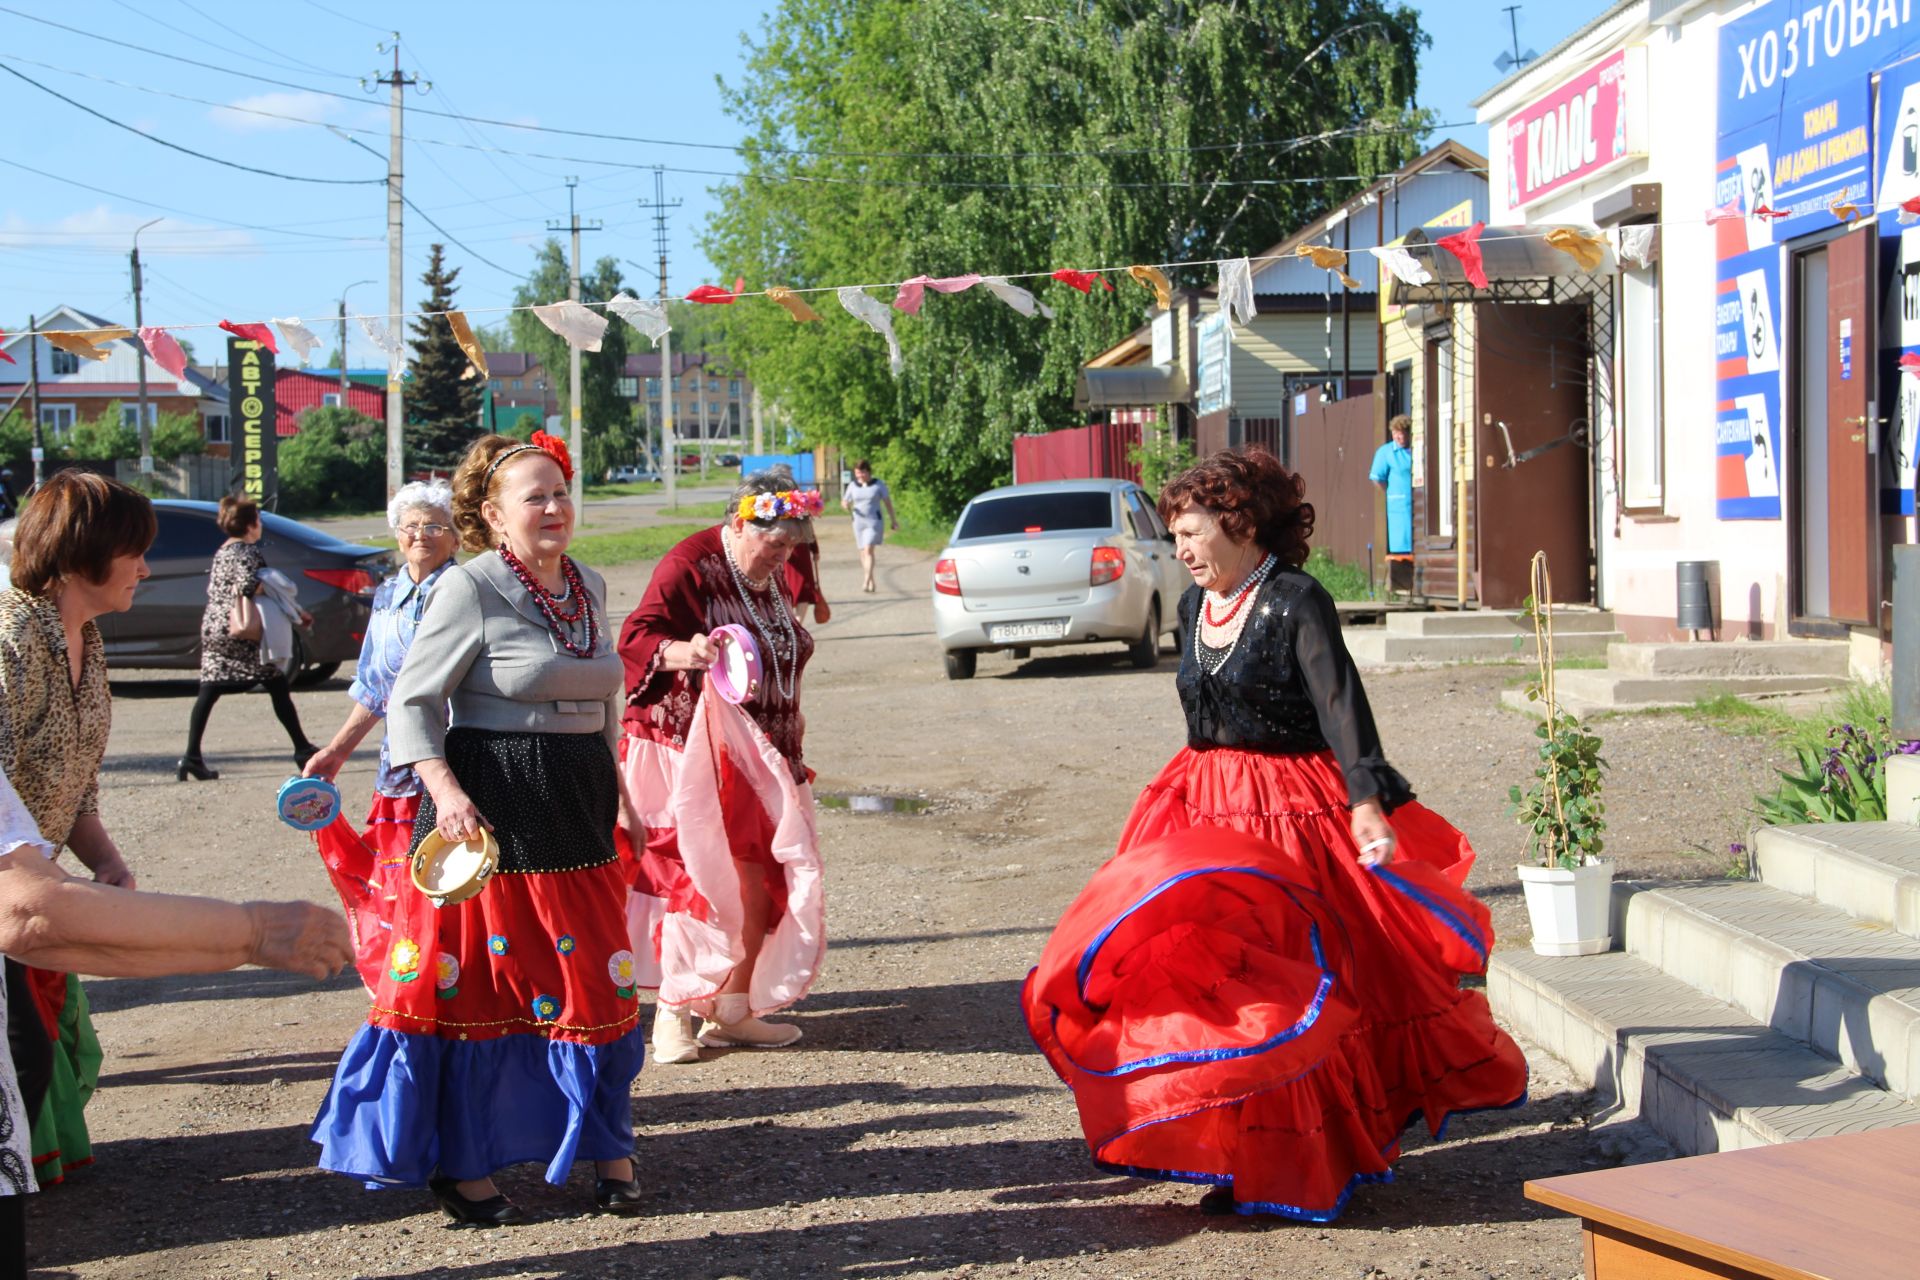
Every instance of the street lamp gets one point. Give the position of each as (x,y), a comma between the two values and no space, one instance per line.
(343,336)
(146,432)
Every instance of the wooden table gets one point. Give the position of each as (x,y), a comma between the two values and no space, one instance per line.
(1824,1209)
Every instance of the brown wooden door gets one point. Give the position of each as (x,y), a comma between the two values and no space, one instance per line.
(1852,510)
(1531,382)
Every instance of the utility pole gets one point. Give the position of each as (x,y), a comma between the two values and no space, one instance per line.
(344,402)
(146,432)
(573,352)
(669,451)
(396,303)
(33,381)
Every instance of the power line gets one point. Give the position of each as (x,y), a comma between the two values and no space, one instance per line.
(238,53)
(167,208)
(174,146)
(345,17)
(741,149)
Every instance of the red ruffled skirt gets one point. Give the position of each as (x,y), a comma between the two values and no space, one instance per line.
(369,870)
(1235,1000)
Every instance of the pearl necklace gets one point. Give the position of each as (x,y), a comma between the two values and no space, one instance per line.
(767,634)
(1211,665)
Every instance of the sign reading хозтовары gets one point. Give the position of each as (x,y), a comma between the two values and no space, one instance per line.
(251,422)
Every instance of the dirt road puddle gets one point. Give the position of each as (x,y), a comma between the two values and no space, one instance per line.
(849,803)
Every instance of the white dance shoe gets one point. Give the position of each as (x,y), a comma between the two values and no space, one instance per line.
(734,1026)
(673,1039)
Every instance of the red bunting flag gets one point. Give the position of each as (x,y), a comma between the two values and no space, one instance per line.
(1082,280)
(1768,211)
(1910,364)
(1909,212)
(714,295)
(3,353)
(260,333)
(1728,212)
(1465,245)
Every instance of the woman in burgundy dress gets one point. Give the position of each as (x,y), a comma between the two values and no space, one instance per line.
(1261,989)
(728,900)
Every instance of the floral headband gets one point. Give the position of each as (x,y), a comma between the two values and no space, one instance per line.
(790,504)
(553,446)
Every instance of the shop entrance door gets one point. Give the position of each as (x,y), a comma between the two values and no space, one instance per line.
(1836,551)
(1532,464)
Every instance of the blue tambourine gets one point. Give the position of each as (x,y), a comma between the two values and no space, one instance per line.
(308,803)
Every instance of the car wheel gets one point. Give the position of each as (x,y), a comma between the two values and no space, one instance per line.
(1144,653)
(961,663)
(306,675)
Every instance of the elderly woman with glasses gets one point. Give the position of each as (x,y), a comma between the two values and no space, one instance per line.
(370,867)
(728,900)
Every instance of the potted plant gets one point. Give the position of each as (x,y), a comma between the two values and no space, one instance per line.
(1569,886)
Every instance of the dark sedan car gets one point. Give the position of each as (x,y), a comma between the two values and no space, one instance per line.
(335,581)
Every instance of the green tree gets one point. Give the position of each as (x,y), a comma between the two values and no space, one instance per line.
(442,399)
(101,439)
(178,434)
(609,434)
(334,359)
(1064,133)
(336,462)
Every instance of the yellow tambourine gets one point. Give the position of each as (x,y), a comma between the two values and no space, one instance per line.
(448,871)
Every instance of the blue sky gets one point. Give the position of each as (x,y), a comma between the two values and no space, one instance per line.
(246,246)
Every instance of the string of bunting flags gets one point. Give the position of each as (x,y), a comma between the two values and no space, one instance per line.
(583,326)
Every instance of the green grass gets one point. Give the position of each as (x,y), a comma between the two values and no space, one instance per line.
(605,550)
(601,492)
(1859,704)
(699,510)
(921,535)
(1343,581)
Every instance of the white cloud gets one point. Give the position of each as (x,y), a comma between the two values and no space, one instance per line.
(264,111)
(103,228)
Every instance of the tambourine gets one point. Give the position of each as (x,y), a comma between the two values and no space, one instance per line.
(736,676)
(308,803)
(453,871)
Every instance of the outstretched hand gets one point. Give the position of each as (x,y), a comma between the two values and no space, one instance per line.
(299,937)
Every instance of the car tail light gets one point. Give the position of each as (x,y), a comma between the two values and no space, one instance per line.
(946,578)
(356,582)
(1108,564)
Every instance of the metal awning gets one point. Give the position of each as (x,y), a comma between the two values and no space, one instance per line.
(1520,265)
(1130,386)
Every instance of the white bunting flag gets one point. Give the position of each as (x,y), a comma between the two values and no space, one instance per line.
(299,339)
(874,314)
(581,327)
(649,318)
(1016,297)
(1236,291)
(1636,246)
(1405,267)
(380,336)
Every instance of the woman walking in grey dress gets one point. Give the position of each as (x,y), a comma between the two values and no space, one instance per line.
(864,498)
(228,663)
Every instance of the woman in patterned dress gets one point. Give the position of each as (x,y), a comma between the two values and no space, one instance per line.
(229,664)
(505,1027)
(369,868)
(80,551)
(728,896)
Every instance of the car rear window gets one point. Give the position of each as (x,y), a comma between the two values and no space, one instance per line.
(184,534)
(1036,513)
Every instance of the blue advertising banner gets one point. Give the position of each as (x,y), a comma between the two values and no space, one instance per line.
(1796,138)
(1898,152)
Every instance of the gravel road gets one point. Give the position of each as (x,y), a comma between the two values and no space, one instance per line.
(914,1132)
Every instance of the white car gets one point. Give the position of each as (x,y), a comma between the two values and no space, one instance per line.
(1066,562)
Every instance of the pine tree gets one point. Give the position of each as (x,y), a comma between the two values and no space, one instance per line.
(443,396)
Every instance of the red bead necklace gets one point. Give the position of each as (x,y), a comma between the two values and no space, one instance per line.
(559,619)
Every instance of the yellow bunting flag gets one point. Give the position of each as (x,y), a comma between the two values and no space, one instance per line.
(85,343)
(1584,248)
(463,334)
(1155,279)
(793,303)
(1843,210)
(1348,280)
(1323,255)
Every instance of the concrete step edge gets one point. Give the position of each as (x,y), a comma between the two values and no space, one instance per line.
(1871,1032)
(1801,860)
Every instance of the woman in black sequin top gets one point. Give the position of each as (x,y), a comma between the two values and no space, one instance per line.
(1262,988)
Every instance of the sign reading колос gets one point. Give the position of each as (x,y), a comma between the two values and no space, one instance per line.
(1584,127)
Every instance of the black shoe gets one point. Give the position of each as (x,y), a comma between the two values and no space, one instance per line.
(494,1211)
(196,768)
(303,753)
(1217,1203)
(613,1195)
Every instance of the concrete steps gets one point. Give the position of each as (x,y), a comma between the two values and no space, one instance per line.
(1747,1012)
(1476,635)
(1644,676)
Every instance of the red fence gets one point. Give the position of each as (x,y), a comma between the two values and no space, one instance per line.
(1078,453)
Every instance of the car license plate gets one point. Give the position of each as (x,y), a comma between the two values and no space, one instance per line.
(1010,632)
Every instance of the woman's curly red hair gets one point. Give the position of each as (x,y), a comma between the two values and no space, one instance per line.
(1251,495)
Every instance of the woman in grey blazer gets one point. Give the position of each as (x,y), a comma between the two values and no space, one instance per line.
(505,1028)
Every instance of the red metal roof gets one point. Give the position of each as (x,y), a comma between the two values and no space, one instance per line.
(296,390)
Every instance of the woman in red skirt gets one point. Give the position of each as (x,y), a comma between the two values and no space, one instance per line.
(1261,989)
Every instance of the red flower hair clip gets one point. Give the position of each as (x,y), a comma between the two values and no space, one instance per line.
(557,449)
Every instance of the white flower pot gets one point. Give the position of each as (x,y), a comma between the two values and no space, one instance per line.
(1569,909)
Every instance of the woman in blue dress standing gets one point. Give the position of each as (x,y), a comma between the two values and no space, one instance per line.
(1392,470)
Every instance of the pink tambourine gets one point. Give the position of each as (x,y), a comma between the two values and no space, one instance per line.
(736,676)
